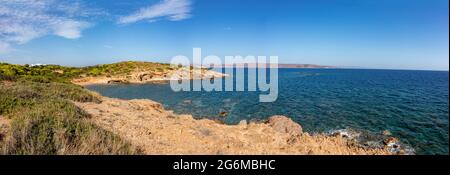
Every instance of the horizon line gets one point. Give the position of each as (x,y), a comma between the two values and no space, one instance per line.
(321,66)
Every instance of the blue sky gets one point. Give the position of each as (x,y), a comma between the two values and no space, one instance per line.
(393,34)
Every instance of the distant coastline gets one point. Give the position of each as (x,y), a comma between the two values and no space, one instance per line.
(253,65)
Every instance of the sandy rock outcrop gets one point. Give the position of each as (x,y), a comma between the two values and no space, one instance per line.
(149,77)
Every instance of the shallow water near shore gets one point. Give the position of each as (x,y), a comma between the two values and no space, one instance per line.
(412,105)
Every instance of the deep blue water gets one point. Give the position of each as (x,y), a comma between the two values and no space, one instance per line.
(413,105)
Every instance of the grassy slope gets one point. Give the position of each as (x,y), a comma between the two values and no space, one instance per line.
(37,100)
(62,73)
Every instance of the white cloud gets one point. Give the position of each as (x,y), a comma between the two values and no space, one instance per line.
(24,20)
(70,29)
(173,10)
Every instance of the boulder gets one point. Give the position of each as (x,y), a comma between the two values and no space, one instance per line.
(284,125)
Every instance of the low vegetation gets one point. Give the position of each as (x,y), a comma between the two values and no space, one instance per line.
(38,103)
(123,68)
(62,73)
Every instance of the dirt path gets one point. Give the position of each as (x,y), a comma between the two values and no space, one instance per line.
(156,131)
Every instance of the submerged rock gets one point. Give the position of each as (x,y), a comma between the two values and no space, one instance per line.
(284,125)
(223,114)
(374,141)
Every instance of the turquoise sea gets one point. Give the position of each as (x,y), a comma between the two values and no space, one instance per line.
(412,105)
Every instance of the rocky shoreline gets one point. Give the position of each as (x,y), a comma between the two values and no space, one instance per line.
(154,130)
(146,125)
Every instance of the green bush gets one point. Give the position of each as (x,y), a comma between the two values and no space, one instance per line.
(58,73)
(25,93)
(59,127)
(44,120)
(38,100)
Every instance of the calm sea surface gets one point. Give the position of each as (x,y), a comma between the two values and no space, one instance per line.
(413,105)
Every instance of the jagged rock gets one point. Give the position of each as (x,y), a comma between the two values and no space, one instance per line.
(284,124)
(341,133)
(390,141)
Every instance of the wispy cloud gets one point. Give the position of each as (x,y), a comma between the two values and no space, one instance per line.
(24,20)
(173,10)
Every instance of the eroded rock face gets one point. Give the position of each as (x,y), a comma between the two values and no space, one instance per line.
(139,76)
(284,125)
(145,76)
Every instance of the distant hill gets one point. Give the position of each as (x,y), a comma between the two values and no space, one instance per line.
(303,66)
(253,65)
